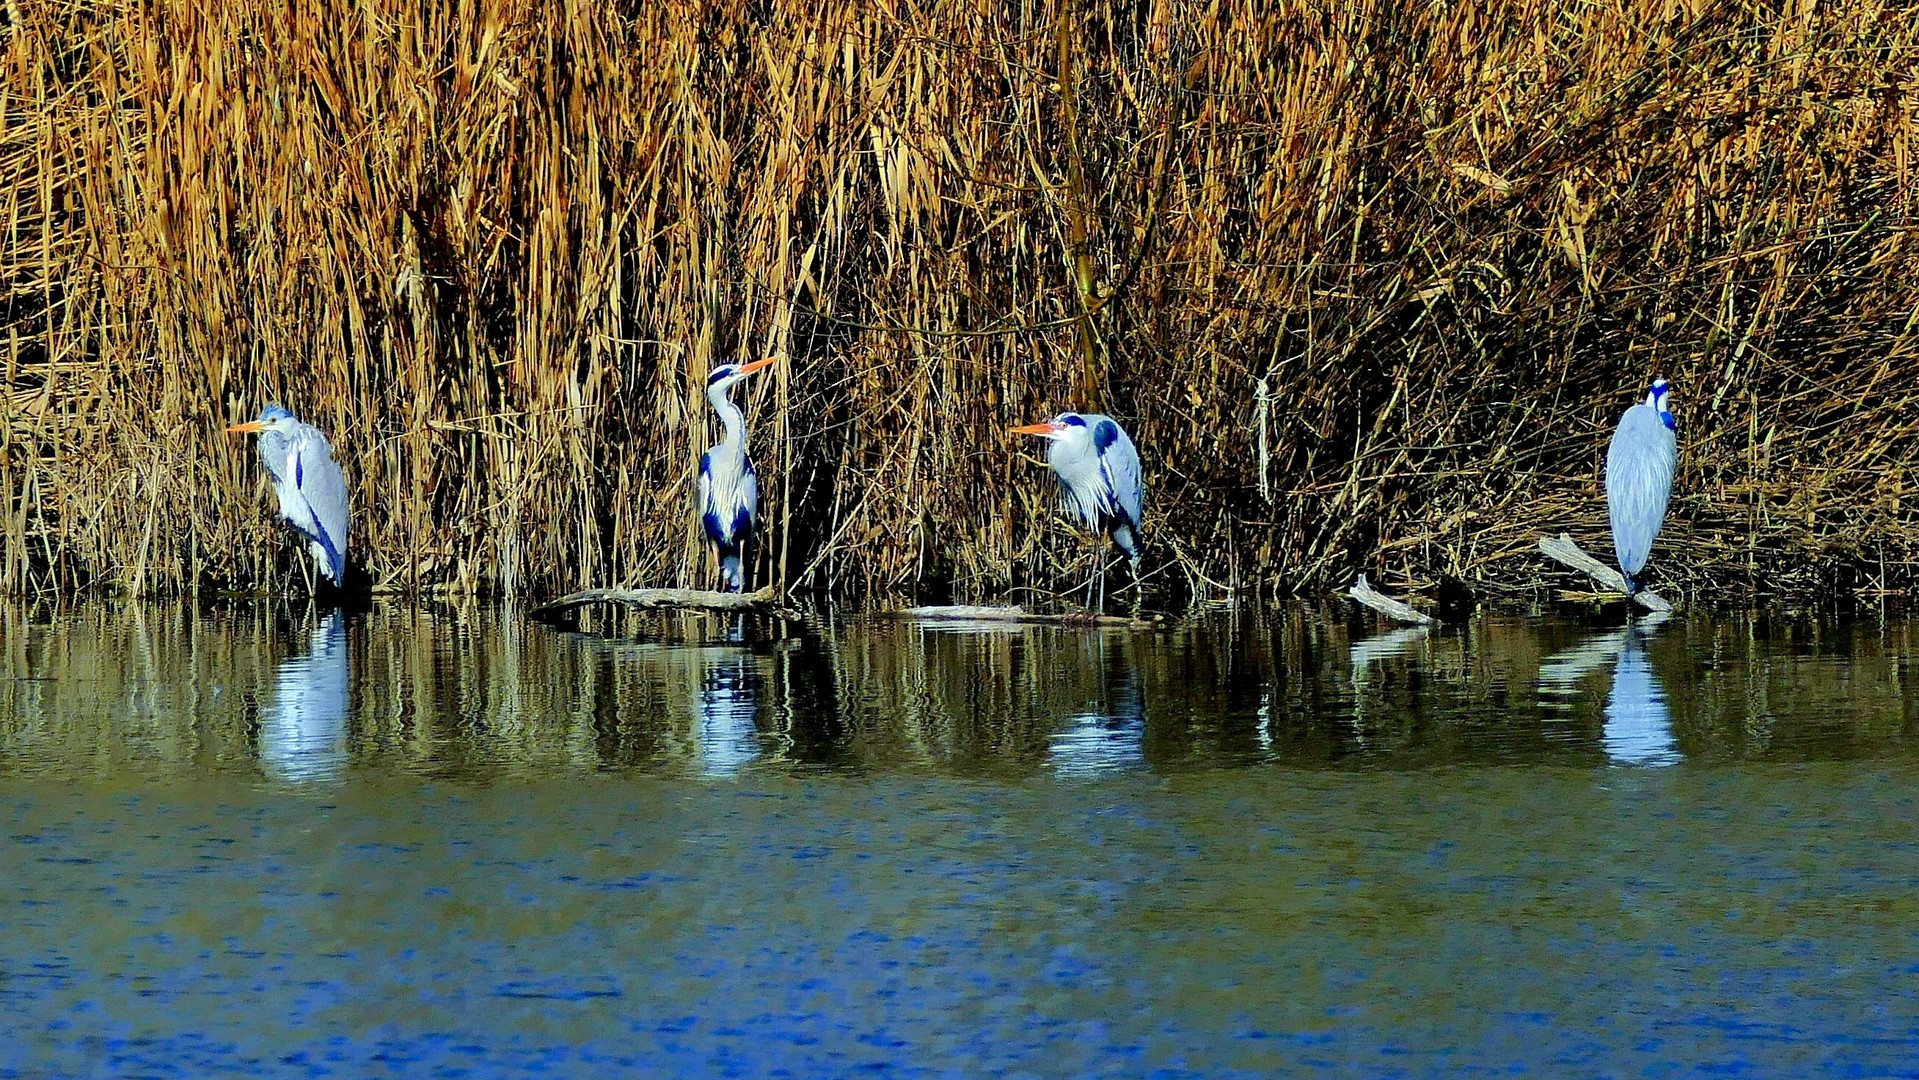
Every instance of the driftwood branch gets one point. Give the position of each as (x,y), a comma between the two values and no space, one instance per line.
(1386,605)
(1561,549)
(662,599)
(1015,615)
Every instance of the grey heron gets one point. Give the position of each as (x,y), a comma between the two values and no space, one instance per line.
(310,486)
(1099,482)
(1639,468)
(729,491)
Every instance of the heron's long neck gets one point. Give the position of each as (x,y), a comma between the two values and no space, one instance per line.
(729,415)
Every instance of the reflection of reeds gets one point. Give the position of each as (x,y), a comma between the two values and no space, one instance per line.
(494,246)
(471,693)
(110,690)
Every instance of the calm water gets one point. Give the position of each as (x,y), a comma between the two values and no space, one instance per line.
(450,842)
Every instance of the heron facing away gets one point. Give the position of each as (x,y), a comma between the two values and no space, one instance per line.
(729,492)
(1099,482)
(1639,468)
(311,488)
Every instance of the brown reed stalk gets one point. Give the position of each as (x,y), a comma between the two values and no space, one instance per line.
(494,246)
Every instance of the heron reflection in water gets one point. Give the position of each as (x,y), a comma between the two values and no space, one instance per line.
(726,714)
(1109,737)
(1638,727)
(303,727)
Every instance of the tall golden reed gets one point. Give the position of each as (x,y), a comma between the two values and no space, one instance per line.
(1369,281)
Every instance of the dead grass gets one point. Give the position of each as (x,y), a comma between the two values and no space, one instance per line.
(494,246)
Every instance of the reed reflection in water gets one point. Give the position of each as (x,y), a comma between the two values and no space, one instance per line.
(480,693)
(1244,844)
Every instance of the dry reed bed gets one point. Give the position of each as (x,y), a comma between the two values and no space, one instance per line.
(1369,281)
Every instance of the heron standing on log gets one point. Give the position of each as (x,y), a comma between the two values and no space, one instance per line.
(308,482)
(1639,469)
(1099,482)
(729,492)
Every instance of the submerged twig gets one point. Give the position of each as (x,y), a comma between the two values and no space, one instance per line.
(1563,550)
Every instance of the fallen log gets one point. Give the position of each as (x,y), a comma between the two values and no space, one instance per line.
(664,600)
(1387,606)
(1563,550)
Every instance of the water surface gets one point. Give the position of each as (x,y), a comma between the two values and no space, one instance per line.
(448,841)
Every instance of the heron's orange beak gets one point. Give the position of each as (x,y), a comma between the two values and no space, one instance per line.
(748,369)
(247,428)
(1050,429)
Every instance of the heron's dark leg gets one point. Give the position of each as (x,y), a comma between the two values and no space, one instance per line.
(306,571)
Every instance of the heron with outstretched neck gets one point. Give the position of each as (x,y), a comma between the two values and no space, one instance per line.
(1639,471)
(1099,483)
(729,490)
(308,482)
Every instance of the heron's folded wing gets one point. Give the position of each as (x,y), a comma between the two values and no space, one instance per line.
(1639,473)
(1119,466)
(323,486)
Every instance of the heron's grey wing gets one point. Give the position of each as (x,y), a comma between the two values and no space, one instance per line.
(1639,472)
(323,486)
(1119,462)
(706,483)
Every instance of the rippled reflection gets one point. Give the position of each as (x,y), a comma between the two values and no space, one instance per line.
(480,693)
(1111,735)
(1366,651)
(1638,723)
(1561,674)
(861,845)
(726,713)
(303,726)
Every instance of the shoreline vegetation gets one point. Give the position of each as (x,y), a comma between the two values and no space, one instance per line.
(1369,283)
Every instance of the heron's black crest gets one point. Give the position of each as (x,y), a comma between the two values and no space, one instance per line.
(275,412)
(1074,419)
(721,372)
(1658,396)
